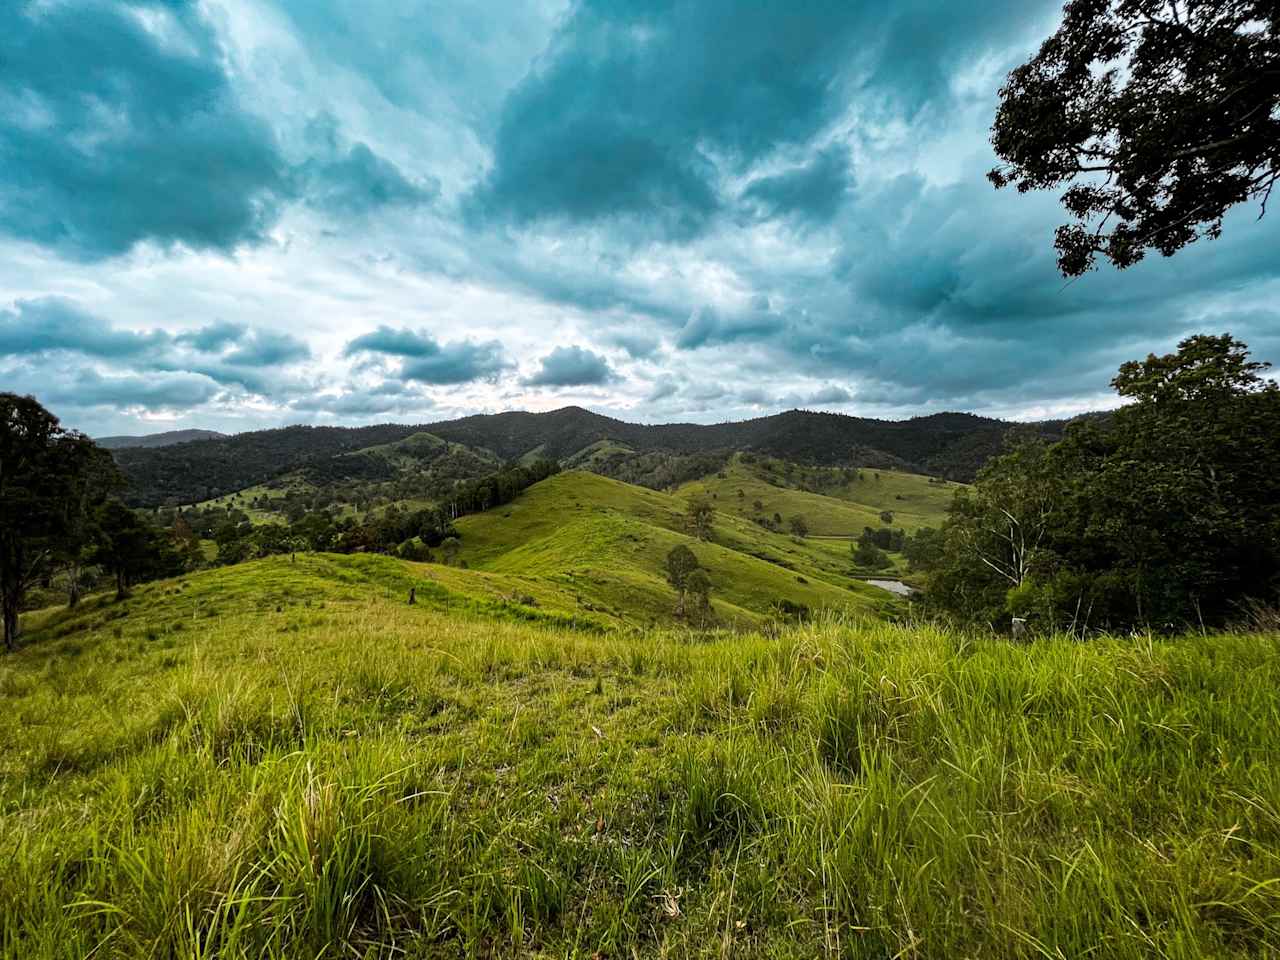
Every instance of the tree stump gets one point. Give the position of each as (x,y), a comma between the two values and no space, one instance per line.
(413,596)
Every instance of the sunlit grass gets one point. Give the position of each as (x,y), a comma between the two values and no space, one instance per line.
(287,760)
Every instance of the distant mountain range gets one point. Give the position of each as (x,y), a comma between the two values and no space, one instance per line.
(151,440)
(950,445)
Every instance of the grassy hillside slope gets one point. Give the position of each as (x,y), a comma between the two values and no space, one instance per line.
(609,540)
(281,760)
(843,507)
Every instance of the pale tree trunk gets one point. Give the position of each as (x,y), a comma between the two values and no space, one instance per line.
(73,585)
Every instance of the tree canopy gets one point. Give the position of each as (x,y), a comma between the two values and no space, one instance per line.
(1163,514)
(42,489)
(1158,116)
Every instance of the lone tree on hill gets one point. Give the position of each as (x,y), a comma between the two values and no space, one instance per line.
(698,586)
(681,563)
(799,528)
(1159,115)
(700,516)
(449,548)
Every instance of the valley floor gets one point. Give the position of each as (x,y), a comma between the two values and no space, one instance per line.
(288,761)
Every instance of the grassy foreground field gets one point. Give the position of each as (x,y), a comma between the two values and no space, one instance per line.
(283,761)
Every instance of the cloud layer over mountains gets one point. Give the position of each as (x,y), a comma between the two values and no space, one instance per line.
(239,213)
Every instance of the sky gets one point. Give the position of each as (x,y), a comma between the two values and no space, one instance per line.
(238,214)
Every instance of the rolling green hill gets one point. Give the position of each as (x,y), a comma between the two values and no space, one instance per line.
(608,541)
(842,508)
(284,760)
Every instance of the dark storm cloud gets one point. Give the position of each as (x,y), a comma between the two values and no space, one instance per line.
(638,107)
(112,135)
(709,326)
(213,337)
(183,370)
(830,394)
(428,361)
(267,348)
(155,391)
(353,180)
(572,367)
(639,346)
(115,130)
(812,192)
(52,323)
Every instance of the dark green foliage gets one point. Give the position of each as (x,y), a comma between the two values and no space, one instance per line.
(449,549)
(700,517)
(131,550)
(50,480)
(698,585)
(681,563)
(354,466)
(1165,514)
(870,557)
(1160,116)
(799,526)
(923,550)
(204,469)
(883,538)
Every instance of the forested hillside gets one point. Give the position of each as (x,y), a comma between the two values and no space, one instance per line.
(166,439)
(950,445)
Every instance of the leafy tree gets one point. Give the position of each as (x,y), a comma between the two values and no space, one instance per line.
(799,527)
(449,548)
(1163,513)
(123,547)
(923,550)
(870,557)
(1158,115)
(698,586)
(186,543)
(416,551)
(681,563)
(1003,524)
(700,516)
(89,474)
(40,470)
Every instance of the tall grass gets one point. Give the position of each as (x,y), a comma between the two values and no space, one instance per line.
(366,779)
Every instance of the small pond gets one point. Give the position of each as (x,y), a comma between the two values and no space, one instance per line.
(893,586)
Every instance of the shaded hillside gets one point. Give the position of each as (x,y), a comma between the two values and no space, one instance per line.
(951,445)
(205,469)
(166,439)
